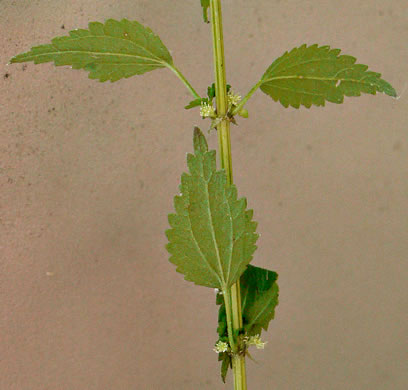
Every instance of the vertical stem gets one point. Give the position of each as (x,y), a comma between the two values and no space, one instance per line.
(232,296)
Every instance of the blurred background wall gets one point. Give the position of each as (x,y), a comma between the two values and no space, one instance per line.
(88,170)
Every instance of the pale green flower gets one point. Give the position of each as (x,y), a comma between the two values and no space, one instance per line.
(233,98)
(220,346)
(255,340)
(207,111)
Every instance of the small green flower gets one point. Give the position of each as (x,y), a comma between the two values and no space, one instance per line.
(255,340)
(207,110)
(221,346)
(233,98)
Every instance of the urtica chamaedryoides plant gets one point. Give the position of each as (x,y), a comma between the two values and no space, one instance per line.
(212,236)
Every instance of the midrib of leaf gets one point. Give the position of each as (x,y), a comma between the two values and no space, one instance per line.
(100,54)
(360,81)
(199,249)
(59,51)
(318,78)
(126,63)
(231,240)
(319,60)
(222,280)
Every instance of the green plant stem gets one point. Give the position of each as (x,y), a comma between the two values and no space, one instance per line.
(184,80)
(227,300)
(246,98)
(232,296)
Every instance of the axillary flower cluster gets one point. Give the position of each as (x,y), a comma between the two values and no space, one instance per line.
(247,341)
(208,111)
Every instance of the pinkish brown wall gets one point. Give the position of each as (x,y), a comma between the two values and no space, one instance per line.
(88,170)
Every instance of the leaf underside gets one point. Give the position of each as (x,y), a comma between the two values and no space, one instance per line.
(109,51)
(212,236)
(312,75)
(259,297)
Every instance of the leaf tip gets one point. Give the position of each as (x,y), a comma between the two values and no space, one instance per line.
(13,60)
(199,141)
(390,91)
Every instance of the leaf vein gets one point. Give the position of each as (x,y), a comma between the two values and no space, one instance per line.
(223,284)
(201,253)
(100,54)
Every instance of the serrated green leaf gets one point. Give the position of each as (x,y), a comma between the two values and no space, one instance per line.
(313,75)
(109,51)
(212,236)
(205,4)
(259,297)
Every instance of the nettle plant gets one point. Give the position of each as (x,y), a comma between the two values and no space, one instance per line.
(212,236)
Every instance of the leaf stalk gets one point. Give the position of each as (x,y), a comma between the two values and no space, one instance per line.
(177,72)
(242,103)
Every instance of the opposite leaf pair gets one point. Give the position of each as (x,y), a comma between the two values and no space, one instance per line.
(307,75)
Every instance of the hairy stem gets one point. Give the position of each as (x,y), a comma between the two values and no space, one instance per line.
(232,296)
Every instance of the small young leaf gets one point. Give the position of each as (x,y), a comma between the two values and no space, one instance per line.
(226,363)
(205,4)
(211,91)
(194,103)
(109,51)
(259,297)
(212,236)
(312,75)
